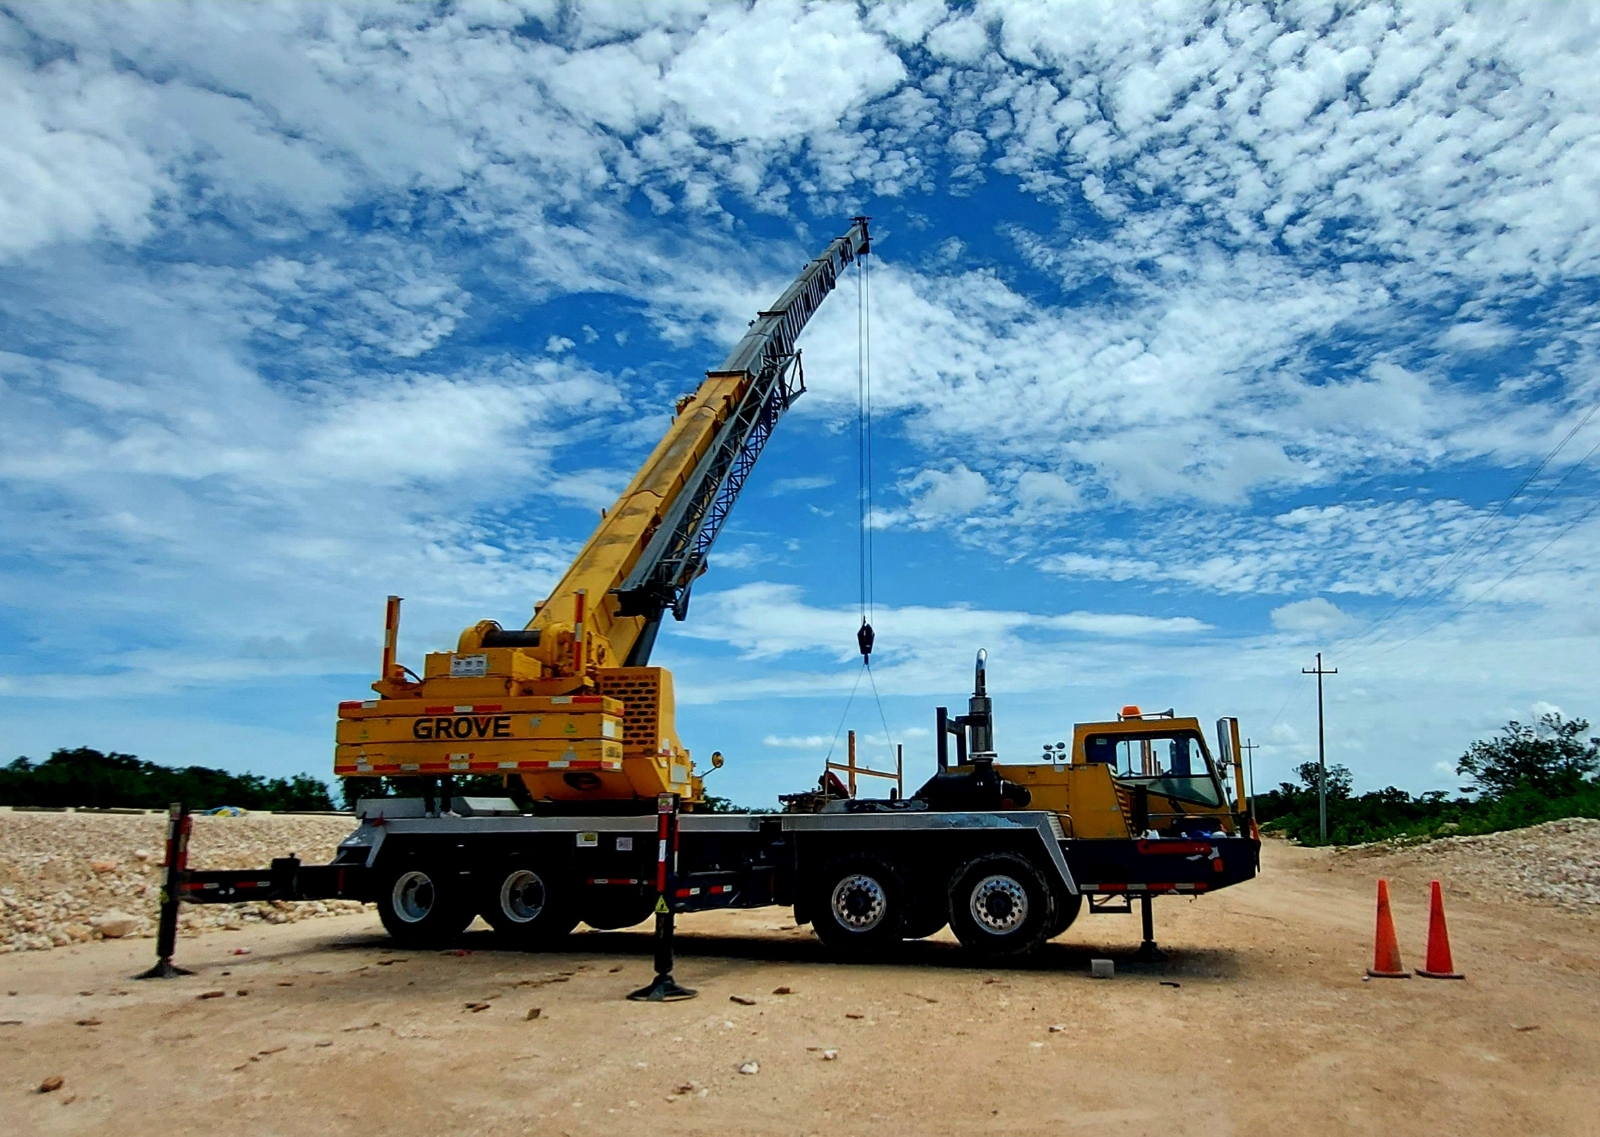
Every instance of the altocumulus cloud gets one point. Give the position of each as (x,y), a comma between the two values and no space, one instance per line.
(1181,315)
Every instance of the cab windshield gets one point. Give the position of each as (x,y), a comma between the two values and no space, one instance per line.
(1173,765)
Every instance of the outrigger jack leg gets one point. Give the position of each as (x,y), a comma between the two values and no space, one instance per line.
(664,988)
(179,825)
(1148,949)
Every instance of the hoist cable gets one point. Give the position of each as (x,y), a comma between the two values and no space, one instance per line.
(883,718)
(1368,633)
(847,704)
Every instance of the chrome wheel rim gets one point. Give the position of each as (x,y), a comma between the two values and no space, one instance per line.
(859,903)
(999,904)
(522,896)
(413,896)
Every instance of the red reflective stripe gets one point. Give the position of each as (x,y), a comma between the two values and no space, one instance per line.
(486,708)
(349,704)
(588,698)
(1113,888)
(681,892)
(440,710)
(1176,848)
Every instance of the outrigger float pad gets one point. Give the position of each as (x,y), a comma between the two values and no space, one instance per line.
(164,969)
(664,989)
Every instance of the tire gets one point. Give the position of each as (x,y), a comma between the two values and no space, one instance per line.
(530,906)
(1001,905)
(1067,909)
(422,906)
(857,907)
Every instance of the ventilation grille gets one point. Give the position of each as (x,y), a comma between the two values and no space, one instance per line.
(640,691)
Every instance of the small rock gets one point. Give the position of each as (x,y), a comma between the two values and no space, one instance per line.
(689,1088)
(533,1013)
(51,1084)
(141,854)
(103,866)
(1057,1028)
(114,925)
(782,991)
(1102,968)
(88,1022)
(830,1055)
(742,1000)
(476,1007)
(853,1015)
(750,1068)
(211,995)
(242,991)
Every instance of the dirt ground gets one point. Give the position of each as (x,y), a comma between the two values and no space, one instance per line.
(1259,1022)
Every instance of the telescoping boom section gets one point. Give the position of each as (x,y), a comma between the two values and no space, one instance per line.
(569,703)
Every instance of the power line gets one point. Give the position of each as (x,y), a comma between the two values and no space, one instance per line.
(1382,620)
(1569,527)
(1512,528)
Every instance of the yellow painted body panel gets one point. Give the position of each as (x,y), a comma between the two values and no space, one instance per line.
(1084,796)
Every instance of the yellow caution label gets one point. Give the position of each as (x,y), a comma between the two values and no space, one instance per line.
(661,905)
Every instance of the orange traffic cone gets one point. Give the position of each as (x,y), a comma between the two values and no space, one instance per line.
(1386,953)
(1439,964)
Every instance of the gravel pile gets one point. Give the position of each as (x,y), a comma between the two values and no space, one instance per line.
(1555,863)
(73,877)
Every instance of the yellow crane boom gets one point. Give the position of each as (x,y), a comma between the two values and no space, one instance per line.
(569,702)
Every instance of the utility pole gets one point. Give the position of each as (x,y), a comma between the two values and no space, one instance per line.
(1322,751)
(1250,749)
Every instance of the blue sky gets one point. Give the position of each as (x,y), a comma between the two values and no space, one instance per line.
(1204,338)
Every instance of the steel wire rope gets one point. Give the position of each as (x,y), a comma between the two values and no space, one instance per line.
(864,476)
(1354,642)
(883,718)
(847,704)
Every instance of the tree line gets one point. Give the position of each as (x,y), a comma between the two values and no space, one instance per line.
(86,778)
(1526,774)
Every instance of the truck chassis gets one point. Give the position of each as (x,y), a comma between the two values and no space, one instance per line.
(1005,880)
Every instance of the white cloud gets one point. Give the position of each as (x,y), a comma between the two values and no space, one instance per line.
(779,70)
(808,742)
(1272,251)
(947,494)
(1317,616)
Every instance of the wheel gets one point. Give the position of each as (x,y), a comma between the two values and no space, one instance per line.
(420,906)
(1067,909)
(529,905)
(1001,905)
(857,908)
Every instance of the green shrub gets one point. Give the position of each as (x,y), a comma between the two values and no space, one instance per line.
(86,778)
(1527,775)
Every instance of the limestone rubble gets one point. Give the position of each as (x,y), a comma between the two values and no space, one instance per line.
(62,875)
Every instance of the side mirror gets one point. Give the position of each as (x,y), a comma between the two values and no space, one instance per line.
(716,759)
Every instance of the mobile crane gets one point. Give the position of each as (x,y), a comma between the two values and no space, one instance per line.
(1003,853)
